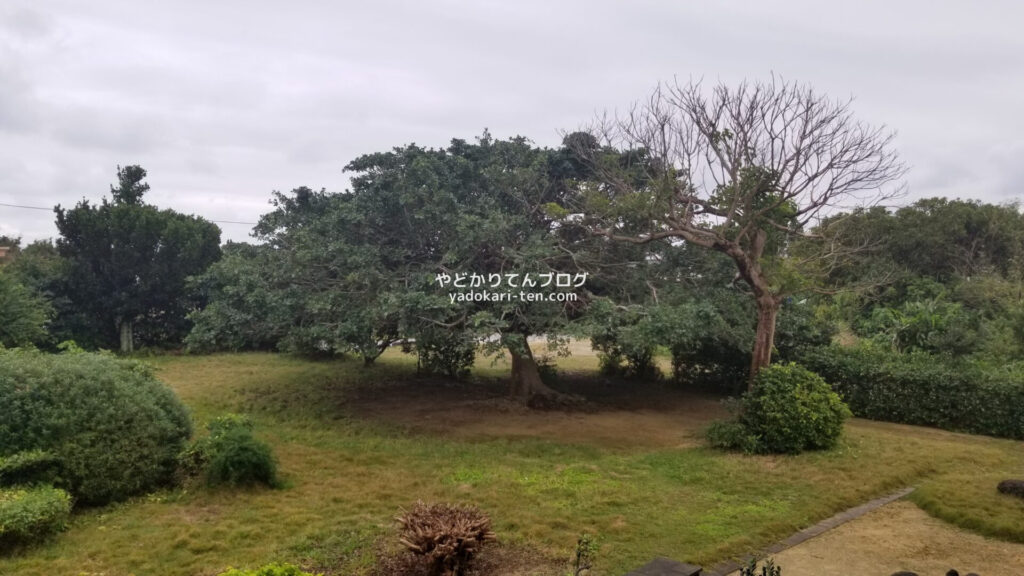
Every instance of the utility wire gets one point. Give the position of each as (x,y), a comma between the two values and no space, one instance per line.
(27,207)
(51,209)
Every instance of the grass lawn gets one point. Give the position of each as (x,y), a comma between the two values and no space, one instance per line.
(354,445)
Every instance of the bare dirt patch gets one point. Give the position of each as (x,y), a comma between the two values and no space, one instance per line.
(617,413)
(900,536)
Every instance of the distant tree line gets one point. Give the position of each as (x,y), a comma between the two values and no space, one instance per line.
(723,228)
(115,277)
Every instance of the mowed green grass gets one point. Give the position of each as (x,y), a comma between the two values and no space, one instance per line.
(347,478)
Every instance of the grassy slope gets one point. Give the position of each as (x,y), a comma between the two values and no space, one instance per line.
(348,478)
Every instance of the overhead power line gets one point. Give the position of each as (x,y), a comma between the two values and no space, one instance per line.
(51,209)
(26,207)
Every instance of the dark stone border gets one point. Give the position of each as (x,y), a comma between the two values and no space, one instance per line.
(806,534)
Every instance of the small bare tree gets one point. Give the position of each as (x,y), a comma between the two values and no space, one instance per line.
(748,171)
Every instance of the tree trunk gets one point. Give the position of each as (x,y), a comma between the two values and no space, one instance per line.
(127,339)
(528,387)
(764,339)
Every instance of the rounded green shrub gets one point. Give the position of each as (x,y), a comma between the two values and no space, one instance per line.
(230,454)
(30,514)
(239,459)
(111,427)
(789,410)
(268,570)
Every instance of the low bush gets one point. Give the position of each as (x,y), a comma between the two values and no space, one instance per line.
(583,557)
(112,428)
(445,537)
(711,366)
(767,569)
(230,454)
(925,389)
(31,467)
(269,570)
(239,459)
(732,435)
(445,354)
(789,410)
(30,514)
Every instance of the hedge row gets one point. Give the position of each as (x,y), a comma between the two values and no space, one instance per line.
(925,389)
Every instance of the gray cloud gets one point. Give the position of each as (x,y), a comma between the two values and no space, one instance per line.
(225,101)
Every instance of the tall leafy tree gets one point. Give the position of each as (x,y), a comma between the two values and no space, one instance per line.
(40,268)
(244,308)
(128,262)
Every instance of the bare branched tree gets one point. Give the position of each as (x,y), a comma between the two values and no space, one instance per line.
(748,171)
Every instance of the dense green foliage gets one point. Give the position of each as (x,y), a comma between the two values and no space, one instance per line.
(29,467)
(361,271)
(444,353)
(789,410)
(943,276)
(243,309)
(112,427)
(127,263)
(23,313)
(239,459)
(230,454)
(28,514)
(918,388)
(40,269)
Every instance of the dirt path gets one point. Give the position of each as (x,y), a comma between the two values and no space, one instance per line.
(896,537)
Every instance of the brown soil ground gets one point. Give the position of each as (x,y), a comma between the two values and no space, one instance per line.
(897,537)
(616,414)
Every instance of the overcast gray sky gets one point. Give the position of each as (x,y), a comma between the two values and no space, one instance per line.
(224,101)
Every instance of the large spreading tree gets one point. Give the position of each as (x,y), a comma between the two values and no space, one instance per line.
(128,261)
(747,171)
(363,267)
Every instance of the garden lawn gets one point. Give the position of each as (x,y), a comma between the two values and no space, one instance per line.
(348,470)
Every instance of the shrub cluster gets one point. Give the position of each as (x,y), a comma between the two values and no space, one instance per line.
(445,355)
(230,454)
(767,569)
(28,514)
(925,389)
(789,410)
(108,428)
